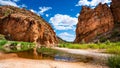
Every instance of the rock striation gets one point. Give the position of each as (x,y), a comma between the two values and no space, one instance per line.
(19,24)
(93,22)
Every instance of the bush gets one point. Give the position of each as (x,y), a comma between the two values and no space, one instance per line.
(114,50)
(103,39)
(114,62)
(2,42)
(92,46)
(107,42)
(15,46)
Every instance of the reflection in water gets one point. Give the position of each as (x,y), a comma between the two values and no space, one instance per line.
(47,53)
(63,58)
(58,57)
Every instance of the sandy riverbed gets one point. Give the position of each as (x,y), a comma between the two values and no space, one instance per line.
(13,61)
(29,63)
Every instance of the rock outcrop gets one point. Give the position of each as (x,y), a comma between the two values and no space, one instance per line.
(23,25)
(115,7)
(93,22)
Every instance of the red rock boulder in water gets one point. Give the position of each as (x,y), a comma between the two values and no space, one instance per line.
(22,25)
(115,7)
(93,22)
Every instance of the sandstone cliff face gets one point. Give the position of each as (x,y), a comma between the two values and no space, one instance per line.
(93,22)
(22,25)
(115,7)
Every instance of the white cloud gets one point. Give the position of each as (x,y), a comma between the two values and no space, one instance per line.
(66,36)
(58,27)
(16,0)
(43,9)
(91,3)
(8,2)
(32,10)
(12,3)
(23,5)
(47,15)
(63,22)
(77,14)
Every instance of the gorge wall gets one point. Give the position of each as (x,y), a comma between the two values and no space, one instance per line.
(98,24)
(22,25)
(115,8)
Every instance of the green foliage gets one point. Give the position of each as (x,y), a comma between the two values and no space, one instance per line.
(107,42)
(69,45)
(26,45)
(84,46)
(2,42)
(61,41)
(110,47)
(115,33)
(114,50)
(7,12)
(15,46)
(103,39)
(114,62)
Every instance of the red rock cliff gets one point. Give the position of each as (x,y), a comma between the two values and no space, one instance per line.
(115,7)
(93,22)
(22,25)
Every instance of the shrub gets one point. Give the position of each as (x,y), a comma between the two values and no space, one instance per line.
(2,42)
(103,39)
(92,46)
(107,42)
(114,62)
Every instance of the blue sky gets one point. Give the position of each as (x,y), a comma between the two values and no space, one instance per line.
(61,14)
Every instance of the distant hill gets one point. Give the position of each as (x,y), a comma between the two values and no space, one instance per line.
(60,40)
